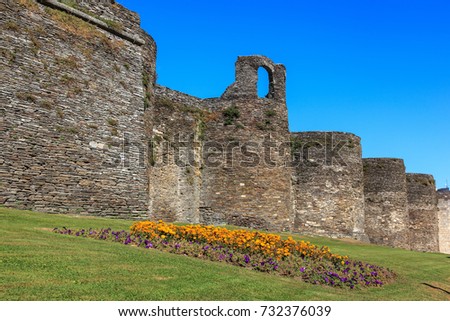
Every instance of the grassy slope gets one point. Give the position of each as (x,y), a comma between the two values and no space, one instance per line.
(36,264)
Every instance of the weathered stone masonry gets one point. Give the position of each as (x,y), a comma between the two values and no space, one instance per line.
(329,186)
(85,129)
(69,94)
(422,212)
(386,202)
(223,185)
(443,196)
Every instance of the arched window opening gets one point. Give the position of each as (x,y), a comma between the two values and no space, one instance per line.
(263,85)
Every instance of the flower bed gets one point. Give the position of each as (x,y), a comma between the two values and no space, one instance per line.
(255,250)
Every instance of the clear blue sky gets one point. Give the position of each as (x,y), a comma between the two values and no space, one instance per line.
(379,69)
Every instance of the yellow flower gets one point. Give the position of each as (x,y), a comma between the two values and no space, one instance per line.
(251,242)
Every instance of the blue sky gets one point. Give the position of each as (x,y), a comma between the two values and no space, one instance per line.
(379,69)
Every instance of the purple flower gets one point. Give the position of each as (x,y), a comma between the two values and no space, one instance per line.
(148,244)
(246,258)
(302,269)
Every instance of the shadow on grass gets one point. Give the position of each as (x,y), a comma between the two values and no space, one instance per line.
(436,287)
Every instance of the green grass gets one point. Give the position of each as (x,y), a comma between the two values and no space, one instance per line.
(36,264)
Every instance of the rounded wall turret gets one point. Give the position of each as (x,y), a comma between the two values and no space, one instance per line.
(422,210)
(78,93)
(386,213)
(443,196)
(329,184)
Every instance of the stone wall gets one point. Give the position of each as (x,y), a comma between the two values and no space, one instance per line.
(422,210)
(85,129)
(72,107)
(175,172)
(443,196)
(329,184)
(386,211)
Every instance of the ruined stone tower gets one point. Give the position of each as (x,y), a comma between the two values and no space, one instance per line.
(245,192)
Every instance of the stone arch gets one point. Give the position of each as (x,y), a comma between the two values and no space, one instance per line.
(267,90)
(245,85)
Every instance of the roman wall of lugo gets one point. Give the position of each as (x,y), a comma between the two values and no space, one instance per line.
(85,129)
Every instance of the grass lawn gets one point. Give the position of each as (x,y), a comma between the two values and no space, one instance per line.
(36,264)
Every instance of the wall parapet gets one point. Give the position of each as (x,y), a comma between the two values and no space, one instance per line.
(93,20)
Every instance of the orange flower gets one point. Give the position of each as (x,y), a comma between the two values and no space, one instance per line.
(247,241)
